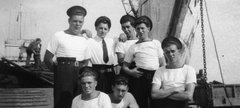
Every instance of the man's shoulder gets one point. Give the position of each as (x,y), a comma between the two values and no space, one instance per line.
(128,96)
(63,34)
(161,70)
(156,42)
(109,39)
(190,68)
(93,40)
(59,33)
(78,97)
(131,41)
(102,94)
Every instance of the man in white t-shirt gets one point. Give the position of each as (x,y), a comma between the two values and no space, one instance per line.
(70,48)
(127,24)
(120,97)
(148,56)
(90,97)
(173,85)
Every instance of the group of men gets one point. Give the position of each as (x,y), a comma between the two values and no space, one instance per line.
(139,57)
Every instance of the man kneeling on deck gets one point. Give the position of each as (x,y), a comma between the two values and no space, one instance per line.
(120,97)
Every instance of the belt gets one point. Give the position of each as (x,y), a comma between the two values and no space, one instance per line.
(103,68)
(68,61)
(147,73)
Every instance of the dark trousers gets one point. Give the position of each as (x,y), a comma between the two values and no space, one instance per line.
(168,103)
(65,82)
(36,57)
(37,60)
(29,55)
(106,75)
(141,88)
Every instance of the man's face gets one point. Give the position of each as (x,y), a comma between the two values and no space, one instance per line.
(142,31)
(76,23)
(172,53)
(128,29)
(38,42)
(119,91)
(102,30)
(88,84)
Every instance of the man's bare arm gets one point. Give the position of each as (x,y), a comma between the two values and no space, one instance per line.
(132,101)
(48,60)
(86,62)
(120,57)
(184,95)
(159,93)
(162,61)
(132,72)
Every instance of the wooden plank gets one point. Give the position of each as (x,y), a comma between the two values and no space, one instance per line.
(221,97)
(20,97)
(21,100)
(26,98)
(223,102)
(21,105)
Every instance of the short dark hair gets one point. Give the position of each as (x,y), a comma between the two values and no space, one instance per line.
(128,18)
(38,39)
(76,10)
(120,80)
(87,71)
(103,19)
(171,40)
(144,19)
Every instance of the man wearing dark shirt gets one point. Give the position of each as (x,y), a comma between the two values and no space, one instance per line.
(34,48)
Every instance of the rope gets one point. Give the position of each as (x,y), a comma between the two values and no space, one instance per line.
(131,10)
(124,7)
(203,42)
(216,52)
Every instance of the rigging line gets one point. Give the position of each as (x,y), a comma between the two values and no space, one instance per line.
(124,7)
(216,52)
(141,6)
(132,8)
(20,19)
(214,41)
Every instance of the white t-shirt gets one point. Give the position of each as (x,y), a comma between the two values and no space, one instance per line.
(96,50)
(66,45)
(118,105)
(122,47)
(169,78)
(102,101)
(128,101)
(145,54)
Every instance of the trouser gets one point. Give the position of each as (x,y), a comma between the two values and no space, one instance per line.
(106,75)
(65,82)
(37,61)
(168,103)
(29,55)
(141,88)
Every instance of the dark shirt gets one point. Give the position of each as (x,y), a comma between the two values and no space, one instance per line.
(34,46)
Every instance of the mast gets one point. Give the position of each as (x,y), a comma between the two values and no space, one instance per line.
(20,20)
